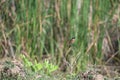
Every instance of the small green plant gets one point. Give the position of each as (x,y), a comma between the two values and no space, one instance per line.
(49,66)
(46,67)
(37,66)
(27,63)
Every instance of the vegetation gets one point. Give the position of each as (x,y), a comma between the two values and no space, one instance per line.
(37,32)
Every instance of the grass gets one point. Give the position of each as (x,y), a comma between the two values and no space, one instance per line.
(39,28)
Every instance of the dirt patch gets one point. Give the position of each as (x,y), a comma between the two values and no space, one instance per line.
(12,70)
(100,72)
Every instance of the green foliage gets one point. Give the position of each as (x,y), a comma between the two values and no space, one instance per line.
(37,66)
(45,66)
(49,66)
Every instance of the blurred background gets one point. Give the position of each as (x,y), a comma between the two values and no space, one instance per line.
(43,30)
